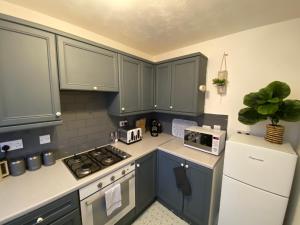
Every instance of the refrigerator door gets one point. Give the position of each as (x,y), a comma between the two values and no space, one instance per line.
(254,161)
(242,204)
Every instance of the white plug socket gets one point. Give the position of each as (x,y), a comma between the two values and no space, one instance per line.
(13,145)
(45,139)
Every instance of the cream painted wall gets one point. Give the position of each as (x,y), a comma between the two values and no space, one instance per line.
(33,16)
(255,58)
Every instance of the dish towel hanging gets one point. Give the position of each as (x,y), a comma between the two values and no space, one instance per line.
(182,181)
(113,199)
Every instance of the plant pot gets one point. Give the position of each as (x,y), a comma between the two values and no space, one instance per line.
(274,133)
(221,89)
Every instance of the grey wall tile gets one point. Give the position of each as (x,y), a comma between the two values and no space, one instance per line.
(87,124)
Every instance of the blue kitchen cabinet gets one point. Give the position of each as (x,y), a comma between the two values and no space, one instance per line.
(64,211)
(28,78)
(167,190)
(145,181)
(194,208)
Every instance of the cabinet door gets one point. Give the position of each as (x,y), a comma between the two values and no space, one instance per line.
(72,218)
(185,76)
(163,87)
(167,188)
(147,87)
(86,67)
(196,206)
(145,181)
(51,212)
(130,70)
(29,90)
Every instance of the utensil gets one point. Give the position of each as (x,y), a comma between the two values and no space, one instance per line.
(34,162)
(48,158)
(16,167)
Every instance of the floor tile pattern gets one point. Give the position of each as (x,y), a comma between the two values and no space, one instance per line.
(157,214)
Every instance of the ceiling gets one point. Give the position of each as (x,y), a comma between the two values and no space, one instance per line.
(157,26)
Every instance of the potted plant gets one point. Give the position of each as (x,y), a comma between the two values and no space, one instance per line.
(270,103)
(221,84)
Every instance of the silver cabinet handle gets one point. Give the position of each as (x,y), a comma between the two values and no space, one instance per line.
(182,165)
(123,109)
(138,165)
(171,107)
(186,166)
(39,220)
(58,114)
(155,106)
(95,88)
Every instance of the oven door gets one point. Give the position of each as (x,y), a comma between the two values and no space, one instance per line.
(93,209)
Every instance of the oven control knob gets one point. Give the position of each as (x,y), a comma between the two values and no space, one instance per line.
(123,172)
(99,185)
(112,178)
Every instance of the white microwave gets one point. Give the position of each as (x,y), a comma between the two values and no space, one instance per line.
(205,139)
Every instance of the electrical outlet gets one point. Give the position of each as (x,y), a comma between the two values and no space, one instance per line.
(13,145)
(123,123)
(217,127)
(45,139)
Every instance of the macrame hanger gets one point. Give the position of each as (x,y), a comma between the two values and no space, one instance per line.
(224,62)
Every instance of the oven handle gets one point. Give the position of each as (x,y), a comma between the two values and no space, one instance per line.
(121,180)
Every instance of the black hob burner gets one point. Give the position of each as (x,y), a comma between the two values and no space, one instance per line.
(82,165)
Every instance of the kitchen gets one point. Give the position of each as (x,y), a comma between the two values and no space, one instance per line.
(258,54)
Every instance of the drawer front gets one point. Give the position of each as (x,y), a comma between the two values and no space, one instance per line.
(73,218)
(264,168)
(50,212)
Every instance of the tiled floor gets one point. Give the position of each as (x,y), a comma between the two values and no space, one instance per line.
(157,214)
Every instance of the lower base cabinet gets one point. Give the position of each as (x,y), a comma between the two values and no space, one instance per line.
(73,218)
(194,208)
(64,211)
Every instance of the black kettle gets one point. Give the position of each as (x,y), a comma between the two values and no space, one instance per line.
(155,128)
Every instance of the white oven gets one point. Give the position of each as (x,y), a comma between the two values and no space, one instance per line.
(92,197)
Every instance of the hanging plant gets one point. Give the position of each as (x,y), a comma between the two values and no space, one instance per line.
(221,81)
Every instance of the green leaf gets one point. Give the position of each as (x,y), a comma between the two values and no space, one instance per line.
(279,89)
(274,100)
(250,116)
(267,109)
(253,100)
(265,94)
(290,110)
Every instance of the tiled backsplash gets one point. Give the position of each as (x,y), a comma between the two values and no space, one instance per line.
(86,124)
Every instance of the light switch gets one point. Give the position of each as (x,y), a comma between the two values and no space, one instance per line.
(45,139)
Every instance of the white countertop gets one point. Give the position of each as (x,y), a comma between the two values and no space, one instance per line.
(22,194)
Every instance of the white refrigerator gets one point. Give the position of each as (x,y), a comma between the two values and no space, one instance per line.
(257,180)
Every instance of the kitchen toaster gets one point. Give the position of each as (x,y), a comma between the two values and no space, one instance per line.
(129,135)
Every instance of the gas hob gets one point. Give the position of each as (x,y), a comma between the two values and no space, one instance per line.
(84,164)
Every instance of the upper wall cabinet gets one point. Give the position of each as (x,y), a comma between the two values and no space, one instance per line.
(147,87)
(86,67)
(29,92)
(136,93)
(177,85)
(163,86)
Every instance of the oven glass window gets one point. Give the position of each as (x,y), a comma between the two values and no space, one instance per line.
(99,208)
